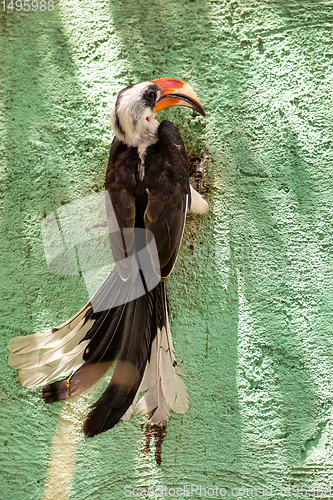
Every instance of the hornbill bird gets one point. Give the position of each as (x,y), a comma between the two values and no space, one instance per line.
(126,322)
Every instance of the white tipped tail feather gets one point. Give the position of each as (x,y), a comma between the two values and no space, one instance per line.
(165,390)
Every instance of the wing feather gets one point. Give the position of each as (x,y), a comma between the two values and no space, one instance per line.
(167,183)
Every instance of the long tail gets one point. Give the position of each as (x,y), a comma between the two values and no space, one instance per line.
(137,333)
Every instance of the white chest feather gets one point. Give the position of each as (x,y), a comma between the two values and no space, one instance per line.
(142,153)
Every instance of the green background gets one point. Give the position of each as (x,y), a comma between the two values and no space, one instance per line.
(251,300)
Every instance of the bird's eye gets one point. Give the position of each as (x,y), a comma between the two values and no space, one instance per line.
(151,96)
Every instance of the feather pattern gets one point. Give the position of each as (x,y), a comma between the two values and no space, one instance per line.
(165,390)
(83,378)
(54,350)
(138,329)
(30,343)
(36,377)
(46,355)
(102,342)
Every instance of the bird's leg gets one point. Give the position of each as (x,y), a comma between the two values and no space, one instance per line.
(201,170)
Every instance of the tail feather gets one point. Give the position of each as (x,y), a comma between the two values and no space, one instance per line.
(108,411)
(47,355)
(53,351)
(43,375)
(134,353)
(153,397)
(105,336)
(47,338)
(173,387)
(165,390)
(102,343)
(82,349)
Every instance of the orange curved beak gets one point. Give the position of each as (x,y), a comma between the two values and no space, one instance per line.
(177,93)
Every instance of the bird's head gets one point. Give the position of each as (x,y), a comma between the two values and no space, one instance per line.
(132,115)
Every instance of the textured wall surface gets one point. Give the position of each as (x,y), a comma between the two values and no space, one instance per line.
(251,300)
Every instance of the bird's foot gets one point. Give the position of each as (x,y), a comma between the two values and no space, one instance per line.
(200,170)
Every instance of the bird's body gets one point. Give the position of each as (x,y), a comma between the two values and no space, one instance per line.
(148,193)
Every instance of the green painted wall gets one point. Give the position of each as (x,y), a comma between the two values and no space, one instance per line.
(251,306)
